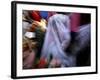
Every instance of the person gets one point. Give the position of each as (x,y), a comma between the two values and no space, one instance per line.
(29,54)
(57,39)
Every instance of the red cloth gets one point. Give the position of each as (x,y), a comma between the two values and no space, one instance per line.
(75,21)
(35,15)
(42,63)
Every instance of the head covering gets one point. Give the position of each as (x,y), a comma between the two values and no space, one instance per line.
(57,39)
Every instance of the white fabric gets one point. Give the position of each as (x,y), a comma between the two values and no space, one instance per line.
(57,38)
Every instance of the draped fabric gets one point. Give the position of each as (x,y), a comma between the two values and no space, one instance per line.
(82,39)
(57,39)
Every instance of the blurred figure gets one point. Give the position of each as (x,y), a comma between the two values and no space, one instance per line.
(81,45)
(57,39)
